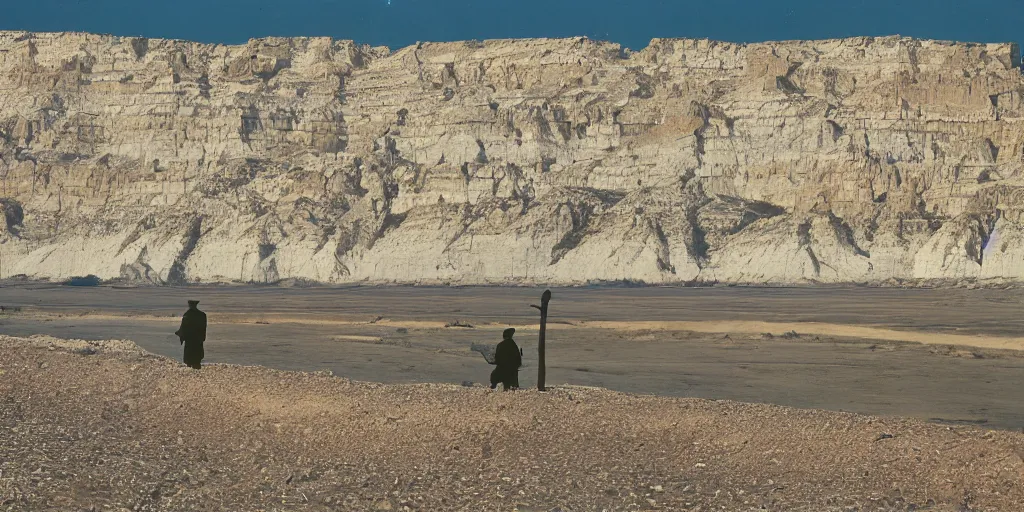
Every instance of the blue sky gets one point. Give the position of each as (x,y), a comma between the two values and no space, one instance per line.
(633,23)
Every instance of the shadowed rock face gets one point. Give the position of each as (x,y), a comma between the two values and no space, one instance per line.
(556,161)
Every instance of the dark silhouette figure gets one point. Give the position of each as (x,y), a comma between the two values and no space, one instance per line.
(192,334)
(507,360)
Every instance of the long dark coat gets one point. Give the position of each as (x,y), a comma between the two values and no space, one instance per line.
(192,334)
(507,360)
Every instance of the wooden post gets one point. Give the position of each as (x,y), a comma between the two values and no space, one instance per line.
(541,374)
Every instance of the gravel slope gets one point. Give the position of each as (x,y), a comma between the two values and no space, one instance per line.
(106,426)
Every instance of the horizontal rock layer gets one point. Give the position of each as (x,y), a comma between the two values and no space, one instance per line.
(516,161)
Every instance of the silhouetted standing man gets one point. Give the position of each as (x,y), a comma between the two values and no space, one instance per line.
(507,359)
(192,334)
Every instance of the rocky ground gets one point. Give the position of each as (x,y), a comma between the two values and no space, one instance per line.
(106,426)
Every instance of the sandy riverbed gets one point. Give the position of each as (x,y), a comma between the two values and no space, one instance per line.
(941,355)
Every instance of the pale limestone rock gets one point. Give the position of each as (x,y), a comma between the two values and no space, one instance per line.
(516,161)
(955,251)
(1003,252)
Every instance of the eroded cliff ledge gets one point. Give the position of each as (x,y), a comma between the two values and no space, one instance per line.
(517,161)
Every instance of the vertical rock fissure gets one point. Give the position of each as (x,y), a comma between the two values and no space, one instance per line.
(178,274)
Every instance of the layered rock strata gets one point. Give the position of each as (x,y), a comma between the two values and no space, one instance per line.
(517,161)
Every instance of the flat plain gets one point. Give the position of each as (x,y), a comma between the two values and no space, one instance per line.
(942,355)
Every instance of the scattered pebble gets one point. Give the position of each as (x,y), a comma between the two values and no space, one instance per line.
(249,438)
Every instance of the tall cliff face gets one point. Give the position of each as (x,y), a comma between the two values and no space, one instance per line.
(557,161)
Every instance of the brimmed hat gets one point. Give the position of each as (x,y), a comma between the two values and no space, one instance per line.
(508,332)
(193,302)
